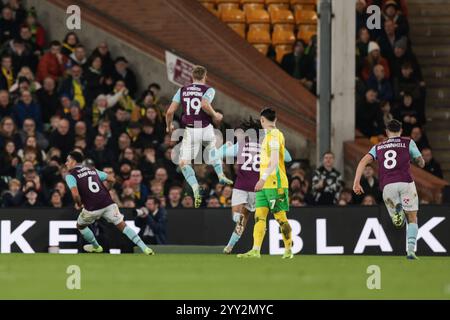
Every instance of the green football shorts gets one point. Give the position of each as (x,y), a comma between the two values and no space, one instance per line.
(275,199)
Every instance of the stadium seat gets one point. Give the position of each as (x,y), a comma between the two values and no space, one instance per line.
(260,2)
(304,2)
(235,19)
(284,2)
(305,17)
(281,50)
(227,4)
(258,19)
(282,40)
(282,20)
(247,7)
(258,36)
(306,31)
(283,37)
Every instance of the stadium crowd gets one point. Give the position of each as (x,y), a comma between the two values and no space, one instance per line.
(390,84)
(56,97)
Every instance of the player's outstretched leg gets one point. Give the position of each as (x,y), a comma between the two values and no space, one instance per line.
(189,175)
(411,234)
(241,221)
(126,230)
(286,232)
(218,168)
(259,231)
(88,235)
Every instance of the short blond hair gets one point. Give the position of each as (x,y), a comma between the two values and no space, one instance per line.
(199,73)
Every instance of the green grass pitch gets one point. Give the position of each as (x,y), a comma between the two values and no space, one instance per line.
(209,276)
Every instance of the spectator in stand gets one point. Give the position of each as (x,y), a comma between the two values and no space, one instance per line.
(8,131)
(379,83)
(62,138)
(28,108)
(373,58)
(369,200)
(174,198)
(140,190)
(155,89)
(13,196)
(124,73)
(37,31)
(9,28)
(101,155)
(55,200)
(152,219)
(297,202)
(9,159)
(31,199)
(70,41)
(20,54)
(74,87)
(213,202)
(29,130)
(407,83)
(362,48)
(102,51)
(26,36)
(387,40)
(419,138)
(94,79)
(368,114)
(407,114)
(19,11)
(187,202)
(25,72)
(7,76)
(6,107)
(402,55)
(391,12)
(126,101)
(431,165)
(78,56)
(327,182)
(298,65)
(48,99)
(52,63)
(386,113)
(369,184)
(361,14)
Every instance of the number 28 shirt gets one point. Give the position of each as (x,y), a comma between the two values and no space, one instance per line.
(394,156)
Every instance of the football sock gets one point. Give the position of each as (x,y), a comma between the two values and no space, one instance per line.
(233,240)
(285,227)
(218,168)
(236,216)
(189,175)
(134,237)
(88,235)
(412,236)
(259,230)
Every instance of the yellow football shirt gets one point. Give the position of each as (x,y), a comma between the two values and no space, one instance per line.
(273,142)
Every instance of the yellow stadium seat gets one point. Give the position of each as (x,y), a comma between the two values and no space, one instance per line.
(282,16)
(269,2)
(306,31)
(228,1)
(307,7)
(247,7)
(305,17)
(233,16)
(239,28)
(281,50)
(258,36)
(303,2)
(227,6)
(283,37)
(263,26)
(253,2)
(277,6)
(263,48)
(258,16)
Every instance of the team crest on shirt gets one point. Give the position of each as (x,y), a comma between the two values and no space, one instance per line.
(406,201)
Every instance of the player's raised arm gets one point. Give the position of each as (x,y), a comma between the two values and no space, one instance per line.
(72,183)
(171,111)
(368,158)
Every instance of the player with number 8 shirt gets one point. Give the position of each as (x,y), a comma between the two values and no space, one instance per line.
(396,182)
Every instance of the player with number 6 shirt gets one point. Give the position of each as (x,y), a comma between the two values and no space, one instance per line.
(91,196)
(396,182)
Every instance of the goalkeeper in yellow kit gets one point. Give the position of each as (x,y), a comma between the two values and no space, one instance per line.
(272,188)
